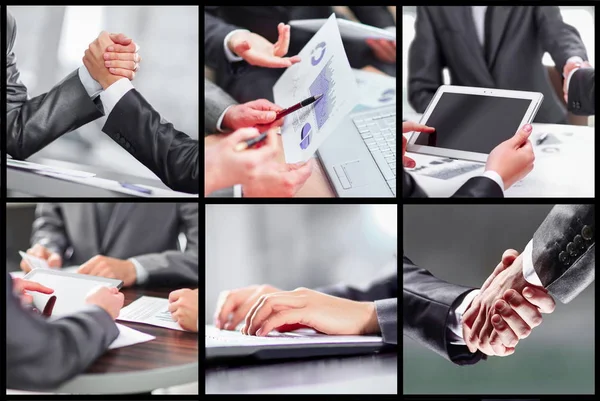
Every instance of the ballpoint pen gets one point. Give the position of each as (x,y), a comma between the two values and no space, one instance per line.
(298,106)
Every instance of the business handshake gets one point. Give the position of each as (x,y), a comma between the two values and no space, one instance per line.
(572,64)
(506,309)
(112,56)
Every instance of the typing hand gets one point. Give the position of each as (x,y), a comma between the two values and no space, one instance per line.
(409,126)
(256,50)
(53,259)
(506,309)
(322,312)
(384,50)
(124,60)
(108,267)
(183,305)
(258,113)
(234,305)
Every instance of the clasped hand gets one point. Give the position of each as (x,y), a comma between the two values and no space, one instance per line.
(506,309)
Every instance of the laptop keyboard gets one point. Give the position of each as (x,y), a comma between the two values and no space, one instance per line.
(378,131)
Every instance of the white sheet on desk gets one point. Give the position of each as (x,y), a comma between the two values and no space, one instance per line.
(375,90)
(149,310)
(128,336)
(21,274)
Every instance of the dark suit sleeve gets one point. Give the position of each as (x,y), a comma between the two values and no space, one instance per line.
(564,250)
(215,31)
(476,187)
(426,304)
(172,155)
(41,355)
(425,62)
(379,16)
(384,293)
(33,123)
(558,38)
(582,92)
(49,228)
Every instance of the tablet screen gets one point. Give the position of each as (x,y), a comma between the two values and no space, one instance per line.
(473,123)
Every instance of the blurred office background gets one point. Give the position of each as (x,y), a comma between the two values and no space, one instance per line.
(462,244)
(291,246)
(581,17)
(50,44)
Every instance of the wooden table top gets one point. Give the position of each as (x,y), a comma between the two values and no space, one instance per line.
(169,349)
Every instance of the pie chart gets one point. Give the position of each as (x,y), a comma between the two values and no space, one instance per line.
(305,136)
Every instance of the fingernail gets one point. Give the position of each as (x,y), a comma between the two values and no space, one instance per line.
(112,70)
(528,292)
(411,164)
(217,323)
(107,63)
(106,56)
(227,325)
(111,49)
(271,115)
(259,331)
(527,127)
(500,306)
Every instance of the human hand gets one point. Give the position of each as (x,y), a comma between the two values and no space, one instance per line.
(183,305)
(384,50)
(572,64)
(225,167)
(324,313)
(256,50)
(237,303)
(108,267)
(512,159)
(109,299)
(20,286)
(409,126)
(52,258)
(123,59)
(499,316)
(278,180)
(258,113)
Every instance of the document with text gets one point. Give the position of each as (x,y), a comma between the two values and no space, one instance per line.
(149,310)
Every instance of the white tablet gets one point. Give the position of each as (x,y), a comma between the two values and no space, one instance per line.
(348,29)
(470,122)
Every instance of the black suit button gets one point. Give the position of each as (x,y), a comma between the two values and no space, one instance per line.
(127,146)
(578,240)
(122,140)
(587,233)
(563,257)
(572,249)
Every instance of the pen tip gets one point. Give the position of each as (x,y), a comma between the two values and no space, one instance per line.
(318,96)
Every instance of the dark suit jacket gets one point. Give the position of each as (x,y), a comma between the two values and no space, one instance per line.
(385,295)
(172,155)
(564,250)
(476,187)
(446,37)
(426,303)
(130,230)
(582,92)
(34,123)
(41,355)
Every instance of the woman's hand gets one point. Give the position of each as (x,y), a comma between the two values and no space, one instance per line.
(322,312)
(410,126)
(237,303)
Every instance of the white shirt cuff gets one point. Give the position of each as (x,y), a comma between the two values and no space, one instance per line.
(454,329)
(91,86)
(528,270)
(220,120)
(140,272)
(569,79)
(231,56)
(111,96)
(492,175)
(237,191)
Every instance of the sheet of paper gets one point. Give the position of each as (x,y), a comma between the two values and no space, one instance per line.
(375,89)
(216,338)
(68,269)
(128,336)
(325,70)
(149,310)
(348,29)
(43,168)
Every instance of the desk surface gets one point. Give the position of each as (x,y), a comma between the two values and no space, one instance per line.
(370,374)
(170,359)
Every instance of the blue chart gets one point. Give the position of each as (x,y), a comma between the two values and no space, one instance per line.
(305,136)
(324,84)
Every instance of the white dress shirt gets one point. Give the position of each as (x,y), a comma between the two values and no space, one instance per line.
(479,19)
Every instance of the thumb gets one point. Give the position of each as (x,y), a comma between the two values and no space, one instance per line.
(509,256)
(522,135)
(242,47)
(120,38)
(261,116)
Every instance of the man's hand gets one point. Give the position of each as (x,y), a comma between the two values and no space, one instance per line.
(258,113)
(322,312)
(52,258)
(108,267)
(109,299)
(512,159)
(500,305)
(256,50)
(570,65)
(409,126)
(234,305)
(123,65)
(384,50)
(20,286)
(278,180)
(183,305)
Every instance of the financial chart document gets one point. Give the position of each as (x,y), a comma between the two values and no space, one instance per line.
(323,70)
